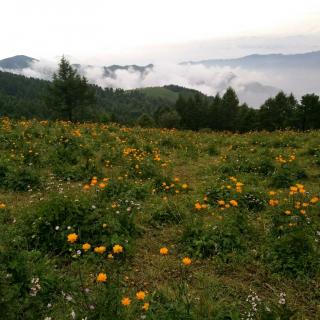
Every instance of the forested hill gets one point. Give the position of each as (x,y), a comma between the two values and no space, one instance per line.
(22,97)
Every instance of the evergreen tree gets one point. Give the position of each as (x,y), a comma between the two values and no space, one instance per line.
(69,92)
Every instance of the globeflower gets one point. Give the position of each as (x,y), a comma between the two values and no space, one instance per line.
(145,306)
(140,295)
(164,251)
(314,200)
(86,246)
(234,203)
(186,261)
(117,248)
(126,301)
(72,237)
(100,249)
(198,206)
(102,277)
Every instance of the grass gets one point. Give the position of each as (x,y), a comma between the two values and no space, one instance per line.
(135,209)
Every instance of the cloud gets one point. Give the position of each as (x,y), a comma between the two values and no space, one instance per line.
(252,86)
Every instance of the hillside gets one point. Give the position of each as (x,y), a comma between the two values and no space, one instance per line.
(169,92)
(107,222)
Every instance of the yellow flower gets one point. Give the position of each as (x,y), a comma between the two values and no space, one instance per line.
(72,237)
(102,277)
(287,212)
(86,246)
(164,251)
(117,248)
(86,187)
(234,203)
(314,200)
(221,202)
(186,261)
(184,186)
(140,295)
(104,225)
(294,189)
(303,212)
(100,249)
(272,193)
(102,185)
(273,202)
(110,256)
(198,206)
(145,306)
(125,301)
(2,205)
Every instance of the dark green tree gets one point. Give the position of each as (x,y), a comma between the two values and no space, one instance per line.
(308,112)
(69,93)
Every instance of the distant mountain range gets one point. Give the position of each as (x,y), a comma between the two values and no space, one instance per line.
(258,61)
(255,77)
(17,62)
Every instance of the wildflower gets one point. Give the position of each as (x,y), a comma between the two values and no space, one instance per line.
(314,200)
(102,277)
(294,189)
(2,205)
(125,301)
(140,295)
(234,203)
(86,187)
(117,248)
(110,256)
(72,237)
(104,225)
(100,249)
(287,212)
(184,186)
(303,212)
(221,202)
(102,185)
(186,261)
(164,251)
(272,193)
(197,206)
(145,306)
(273,202)
(86,246)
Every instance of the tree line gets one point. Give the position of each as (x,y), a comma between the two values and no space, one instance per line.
(69,96)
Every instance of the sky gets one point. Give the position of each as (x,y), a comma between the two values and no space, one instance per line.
(144,31)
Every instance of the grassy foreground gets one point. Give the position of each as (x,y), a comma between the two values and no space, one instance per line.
(106,222)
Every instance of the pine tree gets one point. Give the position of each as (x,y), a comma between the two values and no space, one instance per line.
(69,92)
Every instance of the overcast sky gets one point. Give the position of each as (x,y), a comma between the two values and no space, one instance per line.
(142,31)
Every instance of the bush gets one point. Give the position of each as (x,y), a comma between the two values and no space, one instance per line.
(293,254)
(229,235)
(168,213)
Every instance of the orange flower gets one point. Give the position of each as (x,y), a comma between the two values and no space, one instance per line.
(186,261)
(145,306)
(72,237)
(140,295)
(86,246)
(125,301)
(221,202)
(117,248)
(314,200)
(86,187)
(198,206)
(102,277)
(287,212)
(234,203)
(164,251)
(100,249)
(102,185)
